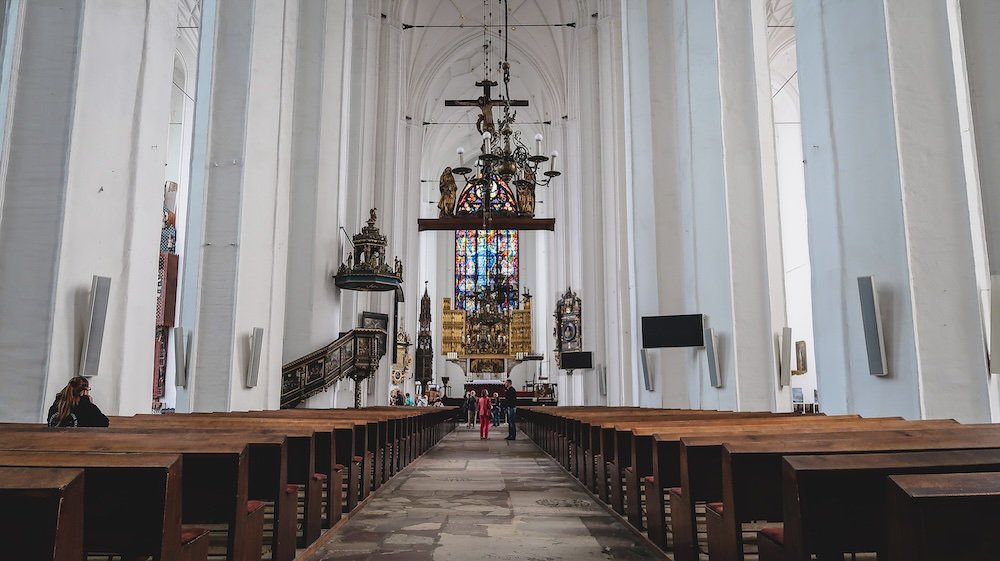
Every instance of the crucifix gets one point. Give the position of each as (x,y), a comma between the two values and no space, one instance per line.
(485,104)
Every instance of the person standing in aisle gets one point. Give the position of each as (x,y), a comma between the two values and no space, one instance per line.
(469,405)
(485,411)
(510,398)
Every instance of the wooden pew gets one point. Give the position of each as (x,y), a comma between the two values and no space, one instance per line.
(944,516)
(836,504)
(42,513)
(302,444)
(132,502)
(633,443)
(214,474)
(267,469)
(386,439)
(689,463)
(371,430)
(751,472)
(370,441)
(611,441)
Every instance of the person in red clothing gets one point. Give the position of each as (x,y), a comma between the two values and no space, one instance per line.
(485,412)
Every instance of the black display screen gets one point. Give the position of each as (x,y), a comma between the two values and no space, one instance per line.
(686,330)
(576,361)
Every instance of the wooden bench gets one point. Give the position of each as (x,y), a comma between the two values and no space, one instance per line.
(302,442)
(633,444)
(214,477)
(132,502)
(944,516)
(689,463)
(751,472)
(836,504)
(277,452)
(42,513)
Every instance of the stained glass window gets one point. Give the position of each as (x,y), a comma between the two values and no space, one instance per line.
(500,196)
(480,255)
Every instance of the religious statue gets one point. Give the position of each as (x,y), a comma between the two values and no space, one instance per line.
(448,192)
(526,198)
(371,218)
(399,268)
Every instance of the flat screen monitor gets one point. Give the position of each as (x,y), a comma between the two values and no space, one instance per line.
(576,361)
(673,331)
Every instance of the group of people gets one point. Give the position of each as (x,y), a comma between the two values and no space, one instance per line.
(401,399)
(490,409)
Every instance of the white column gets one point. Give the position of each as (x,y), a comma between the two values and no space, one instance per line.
(616,329)
(242,188)
(980,19)
(39,115)
(974,42)
(86,141)
(731,258)
(882,165)
(316,244)
(264,213)
(640,189)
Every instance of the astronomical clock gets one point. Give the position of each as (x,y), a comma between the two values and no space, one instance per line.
(568,328)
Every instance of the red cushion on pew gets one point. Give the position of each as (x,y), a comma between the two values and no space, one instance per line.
(358,459)
(319,476)
(254,506)
(676,491)
(774,533)
(189,535)
(648,478)
(716,507)
(292,488)
(339,467)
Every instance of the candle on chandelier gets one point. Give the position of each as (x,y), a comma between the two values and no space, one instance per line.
(486,142)
(461,156)
(552,160)
(538,143)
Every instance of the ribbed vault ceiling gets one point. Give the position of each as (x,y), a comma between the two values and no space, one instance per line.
(445,63)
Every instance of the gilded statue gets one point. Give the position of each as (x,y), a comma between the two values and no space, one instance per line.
(526,194)
(449,190)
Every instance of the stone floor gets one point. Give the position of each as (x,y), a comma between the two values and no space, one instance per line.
(483,500)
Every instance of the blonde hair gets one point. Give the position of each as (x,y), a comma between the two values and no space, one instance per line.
(69,397)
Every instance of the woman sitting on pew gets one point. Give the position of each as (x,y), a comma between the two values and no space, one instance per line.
(73,408)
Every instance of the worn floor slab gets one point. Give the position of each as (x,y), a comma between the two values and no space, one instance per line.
(469,499)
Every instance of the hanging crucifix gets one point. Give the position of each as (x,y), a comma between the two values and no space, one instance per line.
(485,104)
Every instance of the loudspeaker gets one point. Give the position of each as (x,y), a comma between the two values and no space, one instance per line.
(256,342)
(785,359)
(180,357)
(995,324)
(712,353)
(93,337)
(602,380)
(647,379)
(871,320)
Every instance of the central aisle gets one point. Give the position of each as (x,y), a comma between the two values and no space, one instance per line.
(474,500)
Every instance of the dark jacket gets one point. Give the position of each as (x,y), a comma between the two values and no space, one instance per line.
(510,397)
(470,403)
(85,414)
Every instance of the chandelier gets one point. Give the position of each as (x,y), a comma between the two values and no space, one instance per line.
(500,181)
(487,325)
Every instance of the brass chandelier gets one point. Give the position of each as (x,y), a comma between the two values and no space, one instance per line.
(506,172)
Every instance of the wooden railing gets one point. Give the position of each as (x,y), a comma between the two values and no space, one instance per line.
(355,355)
